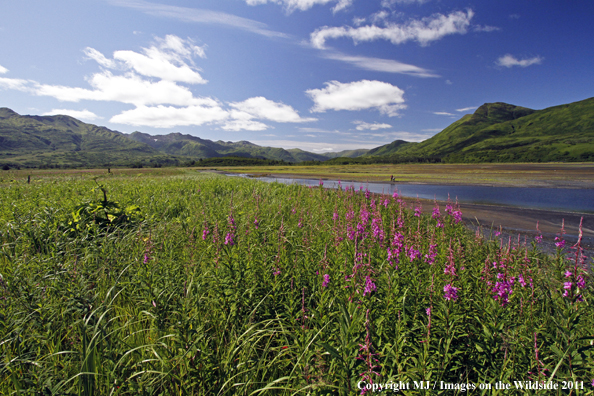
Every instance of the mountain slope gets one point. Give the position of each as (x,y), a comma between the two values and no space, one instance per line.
(192,146)
(500,132)
(63,140)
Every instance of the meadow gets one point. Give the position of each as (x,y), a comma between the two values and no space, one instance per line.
(175,282)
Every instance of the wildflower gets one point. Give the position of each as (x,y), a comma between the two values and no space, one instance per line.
(256,223)
(436,214)
(229,239)
(367,194)
(146,258)
(205,233)
(326,280)
(369,286)
(560,243)
(451,292)
(386,202)
(581,283)
(430,256)
(395,195)
(568,274)
(567,286)
(413,253)
(521,280)
(321,183)
(457,214)
(428,311)
(418,211)
(503,289)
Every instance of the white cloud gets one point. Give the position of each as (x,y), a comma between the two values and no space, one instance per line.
(128,88)
(486,28)
(423,31)
(320,130)
(197,15)
(3,70)
(98,57)
(442,113)
(382,65)
(84,115)
(358,95)
(362,126)
(302,5)
(390,3)
(509,60)
(467,109)
(14,83)
(318,146)
(260,107)
(448,82)
(169,116)
(244,125)
(170,59)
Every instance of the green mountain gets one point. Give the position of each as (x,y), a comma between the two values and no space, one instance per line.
(38,141)
(195,147)
(63,141)
(346,153)
(500,132)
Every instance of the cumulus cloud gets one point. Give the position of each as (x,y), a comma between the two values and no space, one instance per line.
(509,60)
(170,116)
(363,126)
(382,65)
(84,115)
(160,101)
(260,107)
(358,95)
(423,30)
(302,5)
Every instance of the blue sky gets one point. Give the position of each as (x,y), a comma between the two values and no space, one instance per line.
(321,75)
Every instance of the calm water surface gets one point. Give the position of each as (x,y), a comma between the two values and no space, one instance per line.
(562,199)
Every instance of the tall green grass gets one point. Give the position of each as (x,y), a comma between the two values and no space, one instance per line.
(206,285)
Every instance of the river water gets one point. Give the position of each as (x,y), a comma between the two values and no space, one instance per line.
(559,199)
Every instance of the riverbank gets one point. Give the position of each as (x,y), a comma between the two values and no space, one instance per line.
(550,175)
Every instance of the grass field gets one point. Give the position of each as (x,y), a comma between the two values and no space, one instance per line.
(173,282)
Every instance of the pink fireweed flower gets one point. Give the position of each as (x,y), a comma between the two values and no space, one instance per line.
(229,239)
(395,195)
(560,243)
(581,283)
(413,253)
(568,274)
(386,202)
(326,280)
(369,286)
(451,292)
(503,289)
(436,213)
(205,233)
(428,311)
(430,256)
(418,211)
(256,223)
(457,216)
(367,194)
(567,286)
(321,183)
(146,258)
(521,280)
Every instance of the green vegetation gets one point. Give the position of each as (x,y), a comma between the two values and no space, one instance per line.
(499,132)
(199,284)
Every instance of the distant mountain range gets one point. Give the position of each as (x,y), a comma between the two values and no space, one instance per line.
(496,132)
